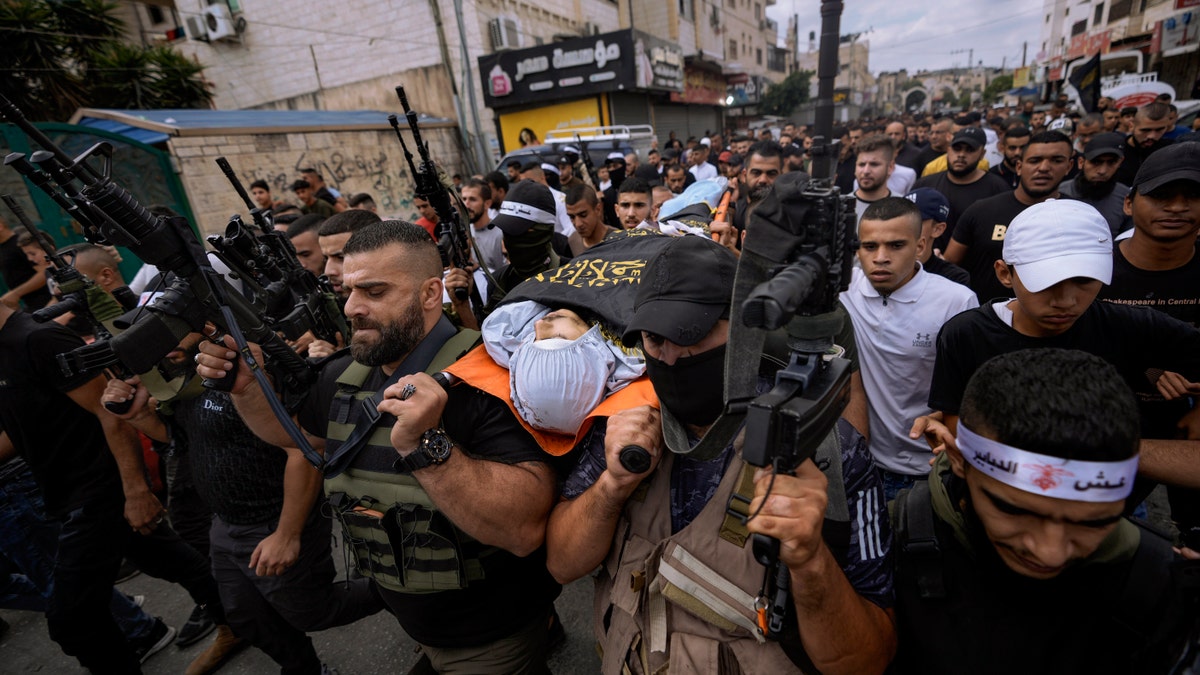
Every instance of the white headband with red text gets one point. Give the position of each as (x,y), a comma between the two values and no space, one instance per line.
(1056,477)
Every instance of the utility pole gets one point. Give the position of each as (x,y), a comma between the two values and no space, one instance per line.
(1024,48)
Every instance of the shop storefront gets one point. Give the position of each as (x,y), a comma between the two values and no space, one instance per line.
(583,82)
(697,109)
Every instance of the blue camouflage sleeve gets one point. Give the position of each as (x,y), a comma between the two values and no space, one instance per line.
(868,564)
(591,461)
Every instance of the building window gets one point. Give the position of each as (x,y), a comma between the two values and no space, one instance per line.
(758,56)
(1099,14)
(156,14)
(1119,9)
(1079,27)
(733,53)
(758,11)
(687,10)
(1067,12)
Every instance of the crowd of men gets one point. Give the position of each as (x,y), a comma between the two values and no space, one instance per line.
(1021,328)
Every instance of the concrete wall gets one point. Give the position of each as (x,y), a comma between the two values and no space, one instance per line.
(350,161)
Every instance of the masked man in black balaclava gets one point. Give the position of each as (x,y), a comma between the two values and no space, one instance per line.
(527,219)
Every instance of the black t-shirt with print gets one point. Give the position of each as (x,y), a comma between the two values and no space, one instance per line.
(1133,339)
(1173,292)
(961,197)
(981,229)
(63,444)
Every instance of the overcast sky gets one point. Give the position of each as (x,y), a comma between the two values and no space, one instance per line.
(921,34)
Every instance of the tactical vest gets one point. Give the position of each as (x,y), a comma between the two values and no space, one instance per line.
(685,602)
(395,532)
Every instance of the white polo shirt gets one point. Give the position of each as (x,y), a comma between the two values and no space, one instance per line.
(897,343)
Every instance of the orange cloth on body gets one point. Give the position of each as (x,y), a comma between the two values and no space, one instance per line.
(479,370)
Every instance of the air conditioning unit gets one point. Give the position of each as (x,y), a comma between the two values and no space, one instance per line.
(219,23)
(196,30)
(504,34)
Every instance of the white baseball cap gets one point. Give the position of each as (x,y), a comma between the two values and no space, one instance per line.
(1059,239)
(706,142)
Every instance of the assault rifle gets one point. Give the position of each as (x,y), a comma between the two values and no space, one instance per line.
(197,296)
(588,163)
(433,185)
(292,299)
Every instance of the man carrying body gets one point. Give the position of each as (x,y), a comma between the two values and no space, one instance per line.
(587,214)
(899,308)
(456,465)
(979,238)
(963,183)
(680,320)
(1097,183)
(1033,569)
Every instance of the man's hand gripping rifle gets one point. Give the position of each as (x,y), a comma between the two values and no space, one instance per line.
(198,296)
(785,426)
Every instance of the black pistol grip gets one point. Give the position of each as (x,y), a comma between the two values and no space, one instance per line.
(635,459)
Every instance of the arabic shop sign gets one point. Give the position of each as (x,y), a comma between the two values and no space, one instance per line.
(581,67)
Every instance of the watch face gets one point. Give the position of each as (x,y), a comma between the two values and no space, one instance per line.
(437,445)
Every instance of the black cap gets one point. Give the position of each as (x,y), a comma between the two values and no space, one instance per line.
(683,292)
(972,136)
(526,205)
(1180,161)
(1109,143)
(298,184)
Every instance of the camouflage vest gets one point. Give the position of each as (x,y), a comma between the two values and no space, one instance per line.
(397,535)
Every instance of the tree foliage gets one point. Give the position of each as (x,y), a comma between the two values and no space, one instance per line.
(61,55)
(996,88)
(783,98)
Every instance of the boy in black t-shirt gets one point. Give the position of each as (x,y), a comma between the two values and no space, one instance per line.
(1056,257)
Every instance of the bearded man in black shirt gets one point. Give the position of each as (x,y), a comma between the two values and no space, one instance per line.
(979,237)
(453,467)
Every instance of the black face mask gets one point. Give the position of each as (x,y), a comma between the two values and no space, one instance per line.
(693,388)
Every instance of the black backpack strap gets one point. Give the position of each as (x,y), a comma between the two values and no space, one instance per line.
(918,539)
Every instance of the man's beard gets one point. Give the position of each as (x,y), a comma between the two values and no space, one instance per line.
(396,339)
(757,194)
(1091,191)
(475,216)
(1039,194)
(961,173)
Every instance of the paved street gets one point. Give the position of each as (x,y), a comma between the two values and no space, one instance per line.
(373,645)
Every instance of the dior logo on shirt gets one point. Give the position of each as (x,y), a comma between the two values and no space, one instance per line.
(209,405)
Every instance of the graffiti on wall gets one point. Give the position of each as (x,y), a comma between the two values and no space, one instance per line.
(387,180)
